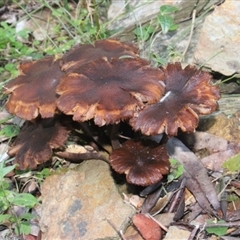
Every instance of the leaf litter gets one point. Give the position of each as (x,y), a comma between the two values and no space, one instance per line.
(201,184)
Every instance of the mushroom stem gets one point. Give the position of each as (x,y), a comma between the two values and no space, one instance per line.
(89,133)
(113,132)
(49,122)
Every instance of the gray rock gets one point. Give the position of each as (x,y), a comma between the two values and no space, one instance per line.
(171,46)
(76,204)
(166,47)
(126,15)
(219,43)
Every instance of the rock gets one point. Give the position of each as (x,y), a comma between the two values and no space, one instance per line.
(165,47)
(219,43)
(229,103)
(175,232)
(231,87)
(172,45)
(76,204)
(126,16)
(223,126)
(3,151)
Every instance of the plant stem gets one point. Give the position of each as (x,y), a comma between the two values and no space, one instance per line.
(95,16)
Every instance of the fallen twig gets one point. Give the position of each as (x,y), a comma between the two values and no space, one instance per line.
(191,31)
(119,232)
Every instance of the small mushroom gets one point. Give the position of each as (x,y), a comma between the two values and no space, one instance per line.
(144,162)
(109,48)
(188,95)
(34,144)
(33,91)
(109,91)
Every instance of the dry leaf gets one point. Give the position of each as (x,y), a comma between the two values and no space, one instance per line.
(198,181)
(200,140)
(148,228)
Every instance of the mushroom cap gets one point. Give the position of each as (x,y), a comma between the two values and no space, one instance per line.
(34,144)
(188,95)
(109,48)
(33,91)
(144,162)
(109,91)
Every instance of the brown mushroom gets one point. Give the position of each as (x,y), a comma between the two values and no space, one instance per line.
(144,162)
(34,144)
(109,91)
(188,95)
(108,48)
(33,91)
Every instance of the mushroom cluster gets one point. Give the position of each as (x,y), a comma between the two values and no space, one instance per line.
(108,83)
